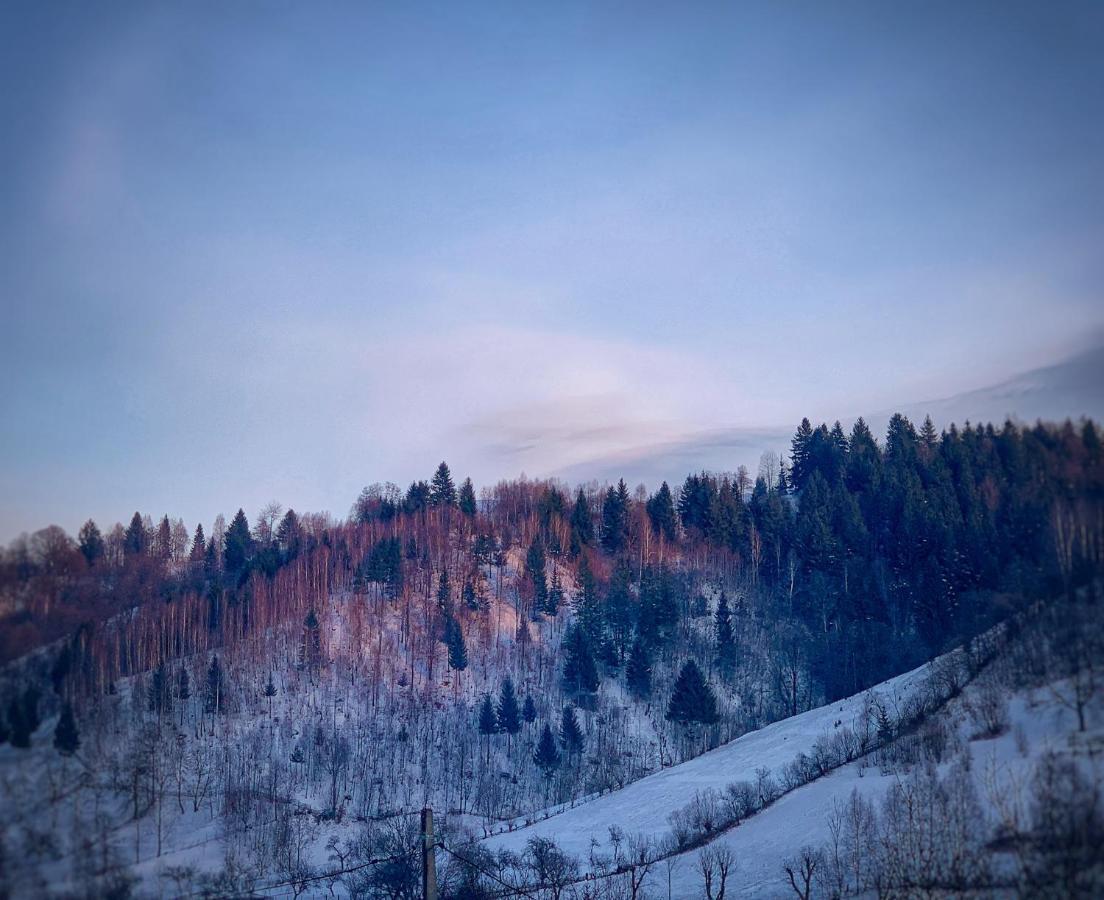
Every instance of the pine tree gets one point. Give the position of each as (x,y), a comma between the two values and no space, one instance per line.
(135,541)
(547,756)
(215,693)
(555,595)
(529,709)
(237,546)
(199,546)
(160,691)
(270,692)
(638,673)
(289,535)
(310,643)
(471,601)
(444,592)
(692,699)
(457,649)
(509,717)
(614,519)
(91,543)
(417,497)
(442,491)
(571,735)
(164,539)
(726,647)
(66,736)
(467,499)
(661,510)
(582,526)
(799,455)
(488,722)
(580,674)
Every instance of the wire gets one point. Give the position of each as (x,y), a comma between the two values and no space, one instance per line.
(515,891)
(298,881)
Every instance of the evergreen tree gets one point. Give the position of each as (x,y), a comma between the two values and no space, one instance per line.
(471,601)
(289,535)
(215,693)
(160,691)
(582,526)
(467,499)
(442,491)
(509,716)
(269,692)
(528,709)
(692,699)
(310,643)
(547,756)
(66,736)
(164,539)
(661,511)
(612,519)
(135,542)
(457,649)
(237,545)
(555,595)
(417,498)
(571,735)
(799,455)
(91,543)
(580,674)
(199,546)
(726,648)
(23,717)
(638,673)
(444,592)
(488,722)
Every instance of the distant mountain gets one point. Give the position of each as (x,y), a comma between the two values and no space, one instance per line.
(1069,389)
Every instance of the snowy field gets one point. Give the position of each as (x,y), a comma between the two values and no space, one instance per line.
(643,807)
(1001,767)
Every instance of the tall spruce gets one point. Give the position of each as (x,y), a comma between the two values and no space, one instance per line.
(692,699)
(571,733)
(442,491)
(237,545)
(509,716)
(547,755)
(467,499)
(90,542)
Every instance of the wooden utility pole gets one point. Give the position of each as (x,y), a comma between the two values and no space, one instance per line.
(429,859)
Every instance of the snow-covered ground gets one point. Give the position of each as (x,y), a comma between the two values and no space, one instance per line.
(644,806)
(1001,768)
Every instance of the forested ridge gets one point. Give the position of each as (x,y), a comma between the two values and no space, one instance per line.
(547,642)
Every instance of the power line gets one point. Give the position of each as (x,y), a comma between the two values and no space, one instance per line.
(335,874)
(514,889)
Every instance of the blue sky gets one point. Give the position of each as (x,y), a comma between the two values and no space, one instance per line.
(277,251)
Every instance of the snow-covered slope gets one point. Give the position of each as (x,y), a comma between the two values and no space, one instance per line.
(644,806)
(800,818)
(1038,722)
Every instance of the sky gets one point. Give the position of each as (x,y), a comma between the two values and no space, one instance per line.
(271,251)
